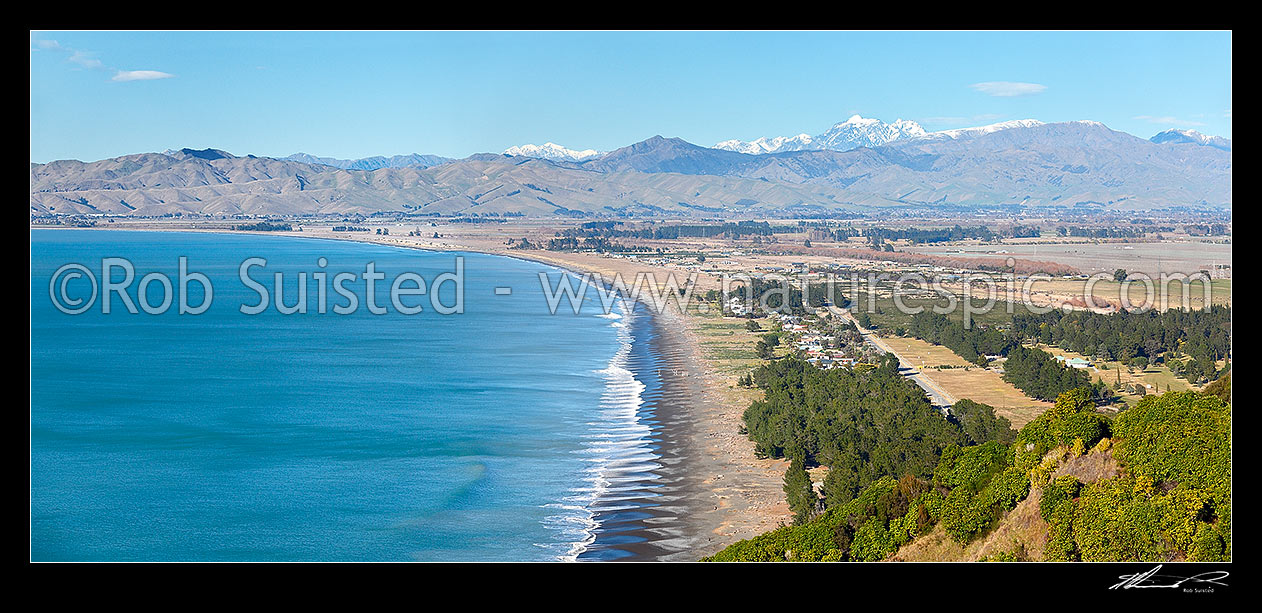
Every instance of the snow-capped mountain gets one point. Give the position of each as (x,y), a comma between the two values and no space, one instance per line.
(850,134)
(860,132)
(552,151)
(801,142)
(1033,164)
(1194,137)
(867,132)
(980,130)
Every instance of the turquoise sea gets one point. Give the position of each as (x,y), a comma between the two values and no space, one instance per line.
(488,435)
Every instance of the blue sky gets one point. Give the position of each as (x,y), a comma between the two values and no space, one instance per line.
(354,94)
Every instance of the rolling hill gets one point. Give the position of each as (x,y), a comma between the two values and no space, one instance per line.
(1074,164)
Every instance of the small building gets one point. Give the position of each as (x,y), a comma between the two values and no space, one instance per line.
(1077,363)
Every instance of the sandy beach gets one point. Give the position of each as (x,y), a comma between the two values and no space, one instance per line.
(714,478)
(714,490)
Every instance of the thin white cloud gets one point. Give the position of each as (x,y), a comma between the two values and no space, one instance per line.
(1008,89)
(85,59)
(1167,120)
(140,75)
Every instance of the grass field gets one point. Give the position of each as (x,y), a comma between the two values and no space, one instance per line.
(725,343)
(1220,292)
(924,354)
(1150,257)
(969,381)
(888,316)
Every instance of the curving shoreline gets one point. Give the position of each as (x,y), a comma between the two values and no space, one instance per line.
(710,490)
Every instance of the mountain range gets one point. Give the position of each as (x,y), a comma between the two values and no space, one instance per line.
(552,151)
(850,134)
(1027,163)
(373,163)
(1193,137)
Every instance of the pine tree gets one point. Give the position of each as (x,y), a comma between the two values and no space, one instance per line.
(799,491)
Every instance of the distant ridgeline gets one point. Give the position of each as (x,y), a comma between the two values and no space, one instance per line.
(1152,485)
(1079,166)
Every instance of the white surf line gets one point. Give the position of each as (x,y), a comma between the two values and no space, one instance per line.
(617,449)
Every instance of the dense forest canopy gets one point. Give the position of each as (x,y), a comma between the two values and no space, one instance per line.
(1203,334)
(862,425)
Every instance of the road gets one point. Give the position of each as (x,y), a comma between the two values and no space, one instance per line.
(938,396)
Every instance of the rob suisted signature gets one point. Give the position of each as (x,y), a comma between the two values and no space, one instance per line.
(1152,579)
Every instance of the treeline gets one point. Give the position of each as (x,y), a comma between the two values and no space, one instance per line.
(1172,500)
(877,235)
(598,245)
(932,235)
(265,226)
(615,229)
(1111,232)
(731,230)
(973,343)
(1214,229)
(489,218)
(1039,375)
(1203,335)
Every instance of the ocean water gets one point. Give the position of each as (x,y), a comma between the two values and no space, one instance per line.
(504,433)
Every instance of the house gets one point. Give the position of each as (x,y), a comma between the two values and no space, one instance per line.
(1077,363)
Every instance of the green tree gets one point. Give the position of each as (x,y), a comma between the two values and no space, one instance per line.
(801,495)
(981,424)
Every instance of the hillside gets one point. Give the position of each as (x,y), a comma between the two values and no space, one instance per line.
(1076,164)
(1154,484)
(1020,534)
(1067,164)
(155,184)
